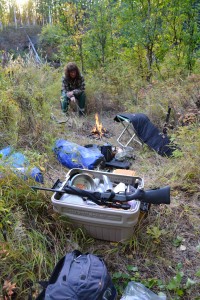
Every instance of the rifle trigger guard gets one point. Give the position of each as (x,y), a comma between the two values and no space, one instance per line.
(111,196)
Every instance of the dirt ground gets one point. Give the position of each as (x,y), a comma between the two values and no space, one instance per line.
(145,162)
(165,242)
(79,130)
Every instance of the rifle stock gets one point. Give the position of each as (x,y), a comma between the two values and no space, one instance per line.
(158,196)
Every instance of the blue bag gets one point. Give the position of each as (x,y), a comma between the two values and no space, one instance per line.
(73,156)
(79,276)
(19,164)
(5,152)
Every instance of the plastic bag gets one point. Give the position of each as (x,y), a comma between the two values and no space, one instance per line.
(137,291)
(127,152)
(5,152)
(19,164)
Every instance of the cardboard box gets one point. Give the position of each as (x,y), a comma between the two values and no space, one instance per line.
(99,221)
(124,172)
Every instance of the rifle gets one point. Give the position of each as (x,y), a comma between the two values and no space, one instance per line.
(115,200)
(166,120)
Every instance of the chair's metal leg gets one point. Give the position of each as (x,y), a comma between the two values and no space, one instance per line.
(132,136)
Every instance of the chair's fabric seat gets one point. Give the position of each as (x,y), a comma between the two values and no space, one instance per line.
(147,132)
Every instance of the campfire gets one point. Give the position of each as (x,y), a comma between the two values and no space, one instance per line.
(98,131)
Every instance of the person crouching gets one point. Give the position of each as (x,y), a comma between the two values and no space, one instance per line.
(73,88)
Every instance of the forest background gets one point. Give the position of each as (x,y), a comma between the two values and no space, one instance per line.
(140,56)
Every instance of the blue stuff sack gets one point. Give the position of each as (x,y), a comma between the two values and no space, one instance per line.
(79,276)
(36,174)
(72,155)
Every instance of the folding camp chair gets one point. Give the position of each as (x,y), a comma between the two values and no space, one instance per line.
(127,128)
(143,131)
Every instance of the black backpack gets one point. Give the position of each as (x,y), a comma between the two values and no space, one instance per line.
(79,276)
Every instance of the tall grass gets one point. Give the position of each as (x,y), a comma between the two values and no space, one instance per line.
(33,237)
(28,96)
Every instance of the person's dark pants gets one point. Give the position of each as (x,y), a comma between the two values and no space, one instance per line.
(81,99)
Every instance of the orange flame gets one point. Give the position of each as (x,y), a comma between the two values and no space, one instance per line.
(98,128)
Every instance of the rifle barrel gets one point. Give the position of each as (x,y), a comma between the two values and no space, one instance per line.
(47,189)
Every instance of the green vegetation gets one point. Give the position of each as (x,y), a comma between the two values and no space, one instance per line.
(137,56)
(145,39)
(34,237)
(175,284)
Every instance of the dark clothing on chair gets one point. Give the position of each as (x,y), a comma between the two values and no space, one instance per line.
(148,133)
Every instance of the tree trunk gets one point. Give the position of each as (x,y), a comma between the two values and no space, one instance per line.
(149,57)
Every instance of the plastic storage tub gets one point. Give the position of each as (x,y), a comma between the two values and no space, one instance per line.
(100,222)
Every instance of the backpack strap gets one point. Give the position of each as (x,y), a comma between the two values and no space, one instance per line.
(56,271)
(52,279)
(40,296)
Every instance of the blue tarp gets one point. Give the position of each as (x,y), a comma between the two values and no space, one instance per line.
(72,155)
(19,164)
